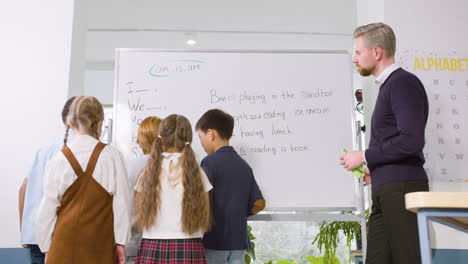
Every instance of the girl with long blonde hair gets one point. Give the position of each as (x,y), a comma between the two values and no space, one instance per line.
(171,198)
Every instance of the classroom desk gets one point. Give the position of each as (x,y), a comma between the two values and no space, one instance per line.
(450,209)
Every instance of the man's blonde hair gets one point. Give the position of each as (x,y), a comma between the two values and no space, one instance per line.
(378,34)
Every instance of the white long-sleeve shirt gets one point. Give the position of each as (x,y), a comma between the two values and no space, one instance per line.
(110,172)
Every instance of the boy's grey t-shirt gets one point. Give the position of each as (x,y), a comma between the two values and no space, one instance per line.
(233,196)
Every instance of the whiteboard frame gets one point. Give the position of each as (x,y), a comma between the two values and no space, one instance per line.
(295,214)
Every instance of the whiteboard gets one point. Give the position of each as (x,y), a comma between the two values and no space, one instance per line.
(293,114)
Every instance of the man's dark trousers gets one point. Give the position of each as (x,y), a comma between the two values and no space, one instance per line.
(393,230)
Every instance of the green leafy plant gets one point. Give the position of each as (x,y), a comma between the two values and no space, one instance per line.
(282,261)
(250,253)
(329,237)
(321,260)
(311,259)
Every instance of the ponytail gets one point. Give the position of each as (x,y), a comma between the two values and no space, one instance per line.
(195,204)
(65,139)
(147,197)
(93,131)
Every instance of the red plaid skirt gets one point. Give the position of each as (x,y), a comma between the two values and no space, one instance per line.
(171,251)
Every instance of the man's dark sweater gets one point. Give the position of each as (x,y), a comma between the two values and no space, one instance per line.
(397,135)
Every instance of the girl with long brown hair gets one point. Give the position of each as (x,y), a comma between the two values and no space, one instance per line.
(172,202)
(84,213)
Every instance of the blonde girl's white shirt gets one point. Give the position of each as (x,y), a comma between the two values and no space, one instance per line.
(110,172)
(169,221)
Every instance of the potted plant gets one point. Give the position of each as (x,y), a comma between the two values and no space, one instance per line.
(250,253)
(329,237)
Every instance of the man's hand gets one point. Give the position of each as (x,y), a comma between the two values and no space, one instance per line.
(351,160)
(119,254)
(367,178)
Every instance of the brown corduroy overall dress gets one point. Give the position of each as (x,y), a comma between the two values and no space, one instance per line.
(84,231)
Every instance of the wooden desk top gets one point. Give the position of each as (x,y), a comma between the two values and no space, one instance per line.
(443,200)
(437,200)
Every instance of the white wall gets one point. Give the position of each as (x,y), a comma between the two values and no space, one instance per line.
(34,65)
(78,48)
(369,11)
(429,24)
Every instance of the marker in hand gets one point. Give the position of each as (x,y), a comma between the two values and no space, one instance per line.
(358,172)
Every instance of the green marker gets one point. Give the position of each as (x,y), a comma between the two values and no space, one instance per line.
(358,172)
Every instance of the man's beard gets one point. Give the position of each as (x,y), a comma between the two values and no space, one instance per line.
(365,72)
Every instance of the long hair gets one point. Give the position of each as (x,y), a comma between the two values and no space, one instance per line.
(84,114)
(175,132)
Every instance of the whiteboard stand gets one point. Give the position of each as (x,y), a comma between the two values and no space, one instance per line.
(109,131)
(362,204)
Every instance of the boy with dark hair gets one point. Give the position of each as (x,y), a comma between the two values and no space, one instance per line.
(235,195)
